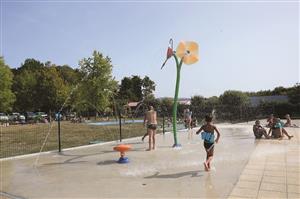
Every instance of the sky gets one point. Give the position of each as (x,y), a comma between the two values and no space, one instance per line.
(244,45)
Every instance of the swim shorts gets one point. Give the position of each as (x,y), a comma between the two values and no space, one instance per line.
(208,145)
(152,126)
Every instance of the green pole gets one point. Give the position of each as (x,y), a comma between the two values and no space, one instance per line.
(178,65)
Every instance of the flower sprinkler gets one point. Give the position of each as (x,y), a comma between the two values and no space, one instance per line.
(122,148)
(186,52)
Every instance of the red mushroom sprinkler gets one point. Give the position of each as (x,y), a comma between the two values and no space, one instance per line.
(122,148)
(187,53)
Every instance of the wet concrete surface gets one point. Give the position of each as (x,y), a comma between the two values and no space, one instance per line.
(166,172)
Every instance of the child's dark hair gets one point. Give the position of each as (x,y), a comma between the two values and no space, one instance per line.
(208,118)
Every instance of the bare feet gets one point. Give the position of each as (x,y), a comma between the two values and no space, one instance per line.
(148,149)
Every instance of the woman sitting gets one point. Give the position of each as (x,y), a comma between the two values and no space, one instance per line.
(278,130)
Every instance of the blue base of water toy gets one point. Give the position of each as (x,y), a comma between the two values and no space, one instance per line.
(177,146)
(123,160)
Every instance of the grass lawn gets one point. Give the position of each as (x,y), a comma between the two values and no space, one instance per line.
(25,139)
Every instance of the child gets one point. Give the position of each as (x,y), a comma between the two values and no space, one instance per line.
(289,121)
(209,140)
(259,131)
(270,121)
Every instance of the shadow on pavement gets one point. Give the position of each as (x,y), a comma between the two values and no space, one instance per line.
(107,162)
(178,175)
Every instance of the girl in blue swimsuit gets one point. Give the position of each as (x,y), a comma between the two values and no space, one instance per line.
(209,141)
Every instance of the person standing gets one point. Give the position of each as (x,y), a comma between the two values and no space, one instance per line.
(150,120)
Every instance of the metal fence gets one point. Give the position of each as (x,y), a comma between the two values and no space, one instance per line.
(19,139)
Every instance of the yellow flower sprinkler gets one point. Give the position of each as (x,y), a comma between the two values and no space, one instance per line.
(187,52)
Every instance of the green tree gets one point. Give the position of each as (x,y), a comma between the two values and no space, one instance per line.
(294,94)
(197,106)
(25,85)
(234,98)
(166,105)
(148,87)
(125,90)
(136,84)
(279,91)
(232,104)
(51,90)
(136,89)
(7,97)
(70,76)
(98,83)
(38,86)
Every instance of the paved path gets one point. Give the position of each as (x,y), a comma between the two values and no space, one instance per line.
(164,173)
(273,170)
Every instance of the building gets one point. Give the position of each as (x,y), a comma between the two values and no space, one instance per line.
(256,100)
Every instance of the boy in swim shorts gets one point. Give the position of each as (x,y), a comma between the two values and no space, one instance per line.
(209,141)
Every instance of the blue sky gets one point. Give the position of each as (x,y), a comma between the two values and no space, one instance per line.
(247,46)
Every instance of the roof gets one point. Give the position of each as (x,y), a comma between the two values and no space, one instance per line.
(132,104)
(184,101)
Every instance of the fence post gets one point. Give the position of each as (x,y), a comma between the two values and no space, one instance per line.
(120,125)
(58,123)
(163,123)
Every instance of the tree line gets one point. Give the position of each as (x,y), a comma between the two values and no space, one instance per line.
(91,89)
(37,86)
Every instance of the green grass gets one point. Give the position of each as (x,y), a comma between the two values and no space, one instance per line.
(26,139)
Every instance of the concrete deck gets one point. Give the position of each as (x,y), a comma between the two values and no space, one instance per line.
(242,167)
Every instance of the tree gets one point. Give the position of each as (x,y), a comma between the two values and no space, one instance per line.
(70,76)
(234,98)
(197,106)
(232,104)
(7,97)
(25,85)
(148,86)
(38,86)
(136,89)
(166,105)
(125,91)
(51,90)
(98,83)
(294,94)
(279,91)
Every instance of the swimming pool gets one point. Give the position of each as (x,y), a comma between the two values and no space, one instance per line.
(107,123)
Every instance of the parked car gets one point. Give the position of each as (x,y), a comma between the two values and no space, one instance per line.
(30,116)
(70,116)
(42,114)
(3,117)
(42,117)
(17,118)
